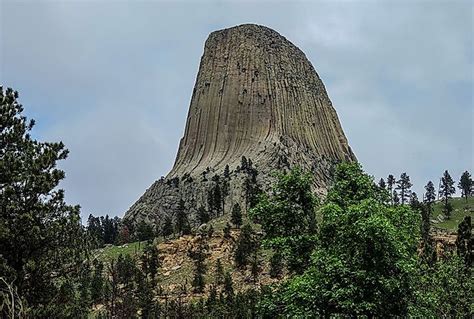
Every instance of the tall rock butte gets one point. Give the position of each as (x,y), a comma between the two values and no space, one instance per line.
(256,95)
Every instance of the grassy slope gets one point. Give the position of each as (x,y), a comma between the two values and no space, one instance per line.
(461,208)
(112,252)
(177,267)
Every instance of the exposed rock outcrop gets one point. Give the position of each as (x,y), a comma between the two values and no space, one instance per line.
(256,95)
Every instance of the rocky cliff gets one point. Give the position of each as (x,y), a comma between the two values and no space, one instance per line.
(256,95)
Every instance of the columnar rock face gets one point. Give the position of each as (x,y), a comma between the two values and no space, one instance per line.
(256,95)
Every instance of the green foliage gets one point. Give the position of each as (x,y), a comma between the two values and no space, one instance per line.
(288,218)
(42,241)
(446,190)
(390,183)
(443,291)
(182,223)
(403,186)
(465,241)
(466,184)
(214,198)
(144,231)
(228,286)
(236,215)
(227,231)
(351,185)
(199,257)
(430,194)
(365,255)
(202,215)
(246,245)
(150,260)
(276,265)
(167,227)
(219,273)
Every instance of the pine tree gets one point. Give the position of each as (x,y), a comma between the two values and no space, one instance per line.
(97,282)
(244,164)
(227,172)
(466,184)
(414,202)
(429,198)
(430,194)
(382,184)
(219,273)
(390,183)
(144,231)
(236,217)
(255,267)
(465,241)
(182,222)
(446,191)
(404,185)
(227,231)
(199,257)
(245,246)
(228,286)
(42,241)
(202,215)
(167,229)
(276,265)
(395,198)
(150,260)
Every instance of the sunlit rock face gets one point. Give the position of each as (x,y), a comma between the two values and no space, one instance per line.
(256,95)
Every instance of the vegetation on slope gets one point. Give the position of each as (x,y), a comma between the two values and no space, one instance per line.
(360,257)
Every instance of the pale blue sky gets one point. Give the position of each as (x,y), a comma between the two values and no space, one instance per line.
(113,80)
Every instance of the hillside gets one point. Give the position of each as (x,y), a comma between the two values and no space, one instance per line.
(461,207)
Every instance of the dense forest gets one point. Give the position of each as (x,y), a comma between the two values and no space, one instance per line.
(364,250)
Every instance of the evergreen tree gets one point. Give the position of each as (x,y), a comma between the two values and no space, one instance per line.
(227,231)
(42,242)
(97,282)
(446,190)
(403,186)
(228,286)
(466,184)
(382,183)
(214,200)
(144,231)
(276,265)
(428,249)
(246,244)
(236,216)
(167,228)
(464,241)
(182,222)
(414,202)
(199,257)
(395,199)
(219,273)
(227,172)
(390,183)
(202,215)
(150,259)
(430,194)
(255,267)
(95,230)
(243,164)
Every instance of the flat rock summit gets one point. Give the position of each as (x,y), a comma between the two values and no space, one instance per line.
(256,96)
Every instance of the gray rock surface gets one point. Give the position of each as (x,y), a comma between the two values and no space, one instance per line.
(256,95)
